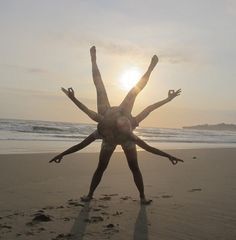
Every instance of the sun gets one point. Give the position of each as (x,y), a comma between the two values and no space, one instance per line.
(129,78)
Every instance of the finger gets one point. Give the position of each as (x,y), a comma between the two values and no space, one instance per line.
(173,162)
(52,160)
(64,90)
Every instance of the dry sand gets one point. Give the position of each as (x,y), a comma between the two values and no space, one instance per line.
(194,200)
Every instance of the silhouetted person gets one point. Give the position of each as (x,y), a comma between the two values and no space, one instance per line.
(115,127)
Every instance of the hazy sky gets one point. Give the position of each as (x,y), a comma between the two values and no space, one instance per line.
(45,45)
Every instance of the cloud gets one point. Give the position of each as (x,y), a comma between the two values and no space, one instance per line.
(53,95)
(174,58)
(121,47)
(25,68)
(24,91)
(37,70)
(43,73)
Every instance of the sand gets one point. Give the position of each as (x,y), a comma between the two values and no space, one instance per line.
(194,200)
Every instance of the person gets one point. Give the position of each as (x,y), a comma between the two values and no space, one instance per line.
(115,127)
(128,141)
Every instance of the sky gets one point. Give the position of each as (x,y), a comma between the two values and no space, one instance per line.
(44,45)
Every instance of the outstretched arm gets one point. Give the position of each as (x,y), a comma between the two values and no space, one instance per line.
(171,95)
(92,137)
(151,149)
(93,115)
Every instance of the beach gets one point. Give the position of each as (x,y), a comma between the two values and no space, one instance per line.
(85,85)
(193,200)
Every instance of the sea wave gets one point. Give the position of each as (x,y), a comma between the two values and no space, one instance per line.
(30,130)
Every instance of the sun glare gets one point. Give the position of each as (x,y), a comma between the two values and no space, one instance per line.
(129,78)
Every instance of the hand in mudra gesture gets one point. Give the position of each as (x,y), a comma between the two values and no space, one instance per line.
(175,160)
(56,159)
(172,93)
(69,92)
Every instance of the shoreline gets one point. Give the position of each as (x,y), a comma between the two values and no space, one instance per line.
(38,147)
(118,152)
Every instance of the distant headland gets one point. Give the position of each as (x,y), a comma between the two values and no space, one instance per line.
(218,127)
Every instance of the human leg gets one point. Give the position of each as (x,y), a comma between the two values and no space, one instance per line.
(128,102)
(102,99)
(131,155)
(104,158)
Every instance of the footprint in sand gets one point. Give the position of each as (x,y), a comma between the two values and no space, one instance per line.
(106,198)
(117,213)
(195,190)
(111,229)
(39,217)
(63,236)
(74,203)
(102,206)
(166,196)
(48,208)
(4,226)
(111,195)
(94,219)
(125,198)
(96,209)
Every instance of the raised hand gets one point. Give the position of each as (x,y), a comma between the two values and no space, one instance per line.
(172,94)
(175,160)
(56,159)
(69,92)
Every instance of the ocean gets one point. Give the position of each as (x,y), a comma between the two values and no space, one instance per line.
(30,136)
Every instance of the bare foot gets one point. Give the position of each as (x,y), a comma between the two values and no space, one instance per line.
(86,198)
(93,53)
(145,201)
(153,63)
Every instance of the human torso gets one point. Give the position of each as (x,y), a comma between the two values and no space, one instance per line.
(108,129)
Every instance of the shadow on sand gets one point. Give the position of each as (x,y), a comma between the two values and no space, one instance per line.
(141,225)
(79,227)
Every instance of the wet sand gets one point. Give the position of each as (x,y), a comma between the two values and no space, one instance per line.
(194,200)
